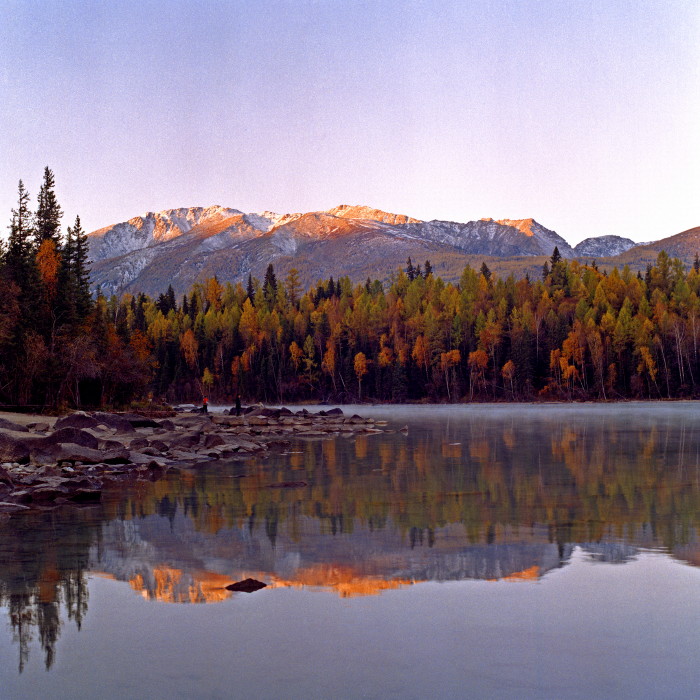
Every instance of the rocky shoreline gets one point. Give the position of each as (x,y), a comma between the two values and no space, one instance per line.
(81,454)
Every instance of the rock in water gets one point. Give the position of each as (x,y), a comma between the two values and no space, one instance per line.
(249,585)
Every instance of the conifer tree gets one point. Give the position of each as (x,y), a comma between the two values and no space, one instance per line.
(80,269)
(410,270)
(19,254)
(47,222)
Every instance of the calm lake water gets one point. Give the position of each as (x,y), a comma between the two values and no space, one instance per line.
(493,552)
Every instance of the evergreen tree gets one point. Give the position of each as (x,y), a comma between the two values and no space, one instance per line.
(81,270)
(74,286)
(485,271)
(47,221)
(170,298)
(250,289)
(427,269)
(410,270)
(545,271)
(194,305)
(19,254)
(270,278)
(270,285)
(556,256)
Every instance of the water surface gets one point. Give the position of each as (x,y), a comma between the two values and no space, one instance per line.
(494,551)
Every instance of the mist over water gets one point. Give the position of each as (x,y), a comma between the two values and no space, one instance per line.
(494,550)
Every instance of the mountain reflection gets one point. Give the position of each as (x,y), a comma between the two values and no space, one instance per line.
(480,498)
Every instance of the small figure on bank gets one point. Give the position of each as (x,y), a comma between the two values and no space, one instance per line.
(238,404)
(205,405)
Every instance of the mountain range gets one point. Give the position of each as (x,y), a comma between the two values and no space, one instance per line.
(183,246)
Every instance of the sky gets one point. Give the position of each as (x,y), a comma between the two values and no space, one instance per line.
(583,114)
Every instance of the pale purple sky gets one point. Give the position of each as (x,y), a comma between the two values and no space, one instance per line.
(583,114)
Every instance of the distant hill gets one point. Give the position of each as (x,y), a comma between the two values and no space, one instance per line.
(183,246)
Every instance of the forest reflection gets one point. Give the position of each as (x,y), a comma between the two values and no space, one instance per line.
(497,499)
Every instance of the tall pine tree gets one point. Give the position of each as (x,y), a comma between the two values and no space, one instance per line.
(47,223)
(19,257)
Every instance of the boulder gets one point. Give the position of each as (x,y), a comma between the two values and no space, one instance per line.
(213,440)
(249,585)
(112,420)
(158,445)
(186,441)
(5,477)
(192,420)
(138,421)
(74,436)
(167,424)
(138,443)
(39,427)
(9,425)
(140,457)
(334,412)
(13,449)
(47,493)
(110,445)
(79,419)
(68,452)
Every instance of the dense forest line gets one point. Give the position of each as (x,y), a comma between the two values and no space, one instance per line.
(576,333)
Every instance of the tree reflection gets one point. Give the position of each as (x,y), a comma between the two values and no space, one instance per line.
(491,499)
(39,579)
(498,481)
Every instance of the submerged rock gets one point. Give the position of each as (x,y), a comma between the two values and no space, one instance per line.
(249,585)
(287,485)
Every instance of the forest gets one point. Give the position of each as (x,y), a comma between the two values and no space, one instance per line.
(575,333)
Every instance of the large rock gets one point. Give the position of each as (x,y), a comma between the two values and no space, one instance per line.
(138,421)
(5,477)
(249,585)
(185,441)
(111,420)
(79,419)
(213,440)
(13,449)
(68,452)
(74,436)
(9,425)
(138,443)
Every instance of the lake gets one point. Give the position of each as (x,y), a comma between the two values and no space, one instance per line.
(494,551)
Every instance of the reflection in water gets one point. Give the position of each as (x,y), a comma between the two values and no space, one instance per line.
(466,495)
(38,576)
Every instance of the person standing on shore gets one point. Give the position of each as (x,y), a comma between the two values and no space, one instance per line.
(205,405)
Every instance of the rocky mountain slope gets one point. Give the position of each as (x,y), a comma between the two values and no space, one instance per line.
(603,246)
(183,246)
